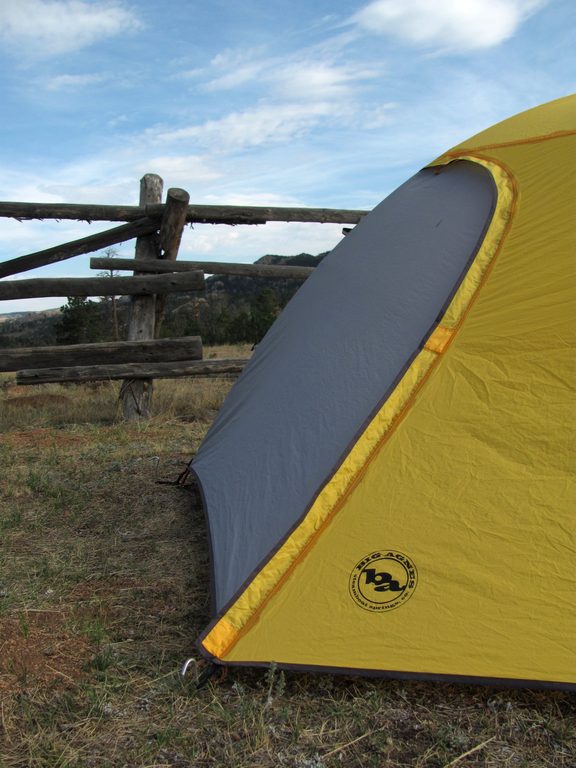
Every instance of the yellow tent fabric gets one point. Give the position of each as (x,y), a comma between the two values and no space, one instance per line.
(444,544)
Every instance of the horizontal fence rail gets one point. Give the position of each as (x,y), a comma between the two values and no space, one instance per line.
(209,267)
(143,226)
(196,214)
(154,351)
(146,285)
(130,371)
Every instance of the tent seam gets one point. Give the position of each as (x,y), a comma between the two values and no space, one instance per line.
(515,143)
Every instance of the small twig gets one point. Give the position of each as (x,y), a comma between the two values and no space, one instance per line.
(43,610)
(58,672)
(469,752)
(349,744)
(150,683)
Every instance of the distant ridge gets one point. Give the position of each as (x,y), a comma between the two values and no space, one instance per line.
(29,315)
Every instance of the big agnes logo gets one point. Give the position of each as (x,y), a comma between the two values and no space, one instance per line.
(383,580)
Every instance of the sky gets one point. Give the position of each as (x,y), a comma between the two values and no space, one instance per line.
(283,102)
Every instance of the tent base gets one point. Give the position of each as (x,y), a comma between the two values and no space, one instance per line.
(497,682)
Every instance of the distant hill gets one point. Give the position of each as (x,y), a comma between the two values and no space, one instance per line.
(12,316)
(232,309)
(28,329)
(23,316)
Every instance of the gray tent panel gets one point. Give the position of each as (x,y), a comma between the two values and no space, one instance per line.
(329,362)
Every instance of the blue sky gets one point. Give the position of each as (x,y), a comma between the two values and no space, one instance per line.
(283,102)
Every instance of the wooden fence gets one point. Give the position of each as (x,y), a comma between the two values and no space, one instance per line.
(158,229)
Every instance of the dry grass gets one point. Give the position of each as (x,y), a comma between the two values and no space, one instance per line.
(59,404)
(103,590)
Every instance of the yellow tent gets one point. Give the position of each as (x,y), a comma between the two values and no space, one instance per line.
(389,486)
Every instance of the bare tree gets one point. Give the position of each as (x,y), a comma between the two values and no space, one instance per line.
(111,253)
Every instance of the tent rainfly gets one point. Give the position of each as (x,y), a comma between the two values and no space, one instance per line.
(388,486)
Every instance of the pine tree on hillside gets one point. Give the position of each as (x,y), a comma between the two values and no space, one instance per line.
(80,322)
(264,311)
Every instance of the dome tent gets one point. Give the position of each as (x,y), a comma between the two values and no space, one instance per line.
(388,484)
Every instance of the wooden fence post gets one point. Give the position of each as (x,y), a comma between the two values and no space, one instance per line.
(171,229)
(136,394)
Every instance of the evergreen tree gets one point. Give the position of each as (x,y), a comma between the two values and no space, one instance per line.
(80,322)
(264,311)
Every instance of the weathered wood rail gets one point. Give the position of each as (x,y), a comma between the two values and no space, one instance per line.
(148,285)
(77,247)
(154,351)
(132,371)
(158,229)
(272,271)
(195,214)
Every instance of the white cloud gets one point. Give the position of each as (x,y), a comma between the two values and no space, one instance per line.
(455,25)
(379,116)
(302,92)
(73,82)
(42,28)
(307,74)
(236,77)
(238,67)
(118,120)
(228,69)
(180,169)
(318,80)
(265,124)
(232,58)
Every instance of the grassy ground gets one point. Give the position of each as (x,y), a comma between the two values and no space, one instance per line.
(104,588)
(53,405)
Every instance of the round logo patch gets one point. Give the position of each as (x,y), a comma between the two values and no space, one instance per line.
(383,580)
